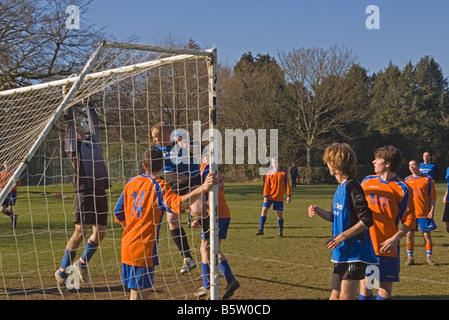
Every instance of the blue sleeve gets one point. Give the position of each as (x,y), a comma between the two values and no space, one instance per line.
(119,210)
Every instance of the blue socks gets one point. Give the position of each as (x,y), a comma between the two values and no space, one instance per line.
(89,250)
(281,225)
(224,268)
(371,297)
(205,271)
(262,222)
(263,219)
(362,297)
(69,256)
(67,259)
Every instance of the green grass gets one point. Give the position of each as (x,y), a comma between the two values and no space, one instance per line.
(295,267)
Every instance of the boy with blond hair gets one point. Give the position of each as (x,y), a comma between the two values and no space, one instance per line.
(351,218)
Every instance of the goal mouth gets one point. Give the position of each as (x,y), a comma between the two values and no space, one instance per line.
(131,87)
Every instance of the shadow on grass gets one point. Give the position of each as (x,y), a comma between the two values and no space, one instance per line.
(283,283)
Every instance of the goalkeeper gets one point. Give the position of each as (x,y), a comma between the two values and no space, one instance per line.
(90,200)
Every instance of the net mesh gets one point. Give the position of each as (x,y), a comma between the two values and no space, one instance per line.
(131,90)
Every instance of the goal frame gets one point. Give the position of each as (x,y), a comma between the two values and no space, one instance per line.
(76,82)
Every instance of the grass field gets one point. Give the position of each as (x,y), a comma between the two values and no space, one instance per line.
(294,267)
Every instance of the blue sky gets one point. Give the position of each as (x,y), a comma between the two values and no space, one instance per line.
(409,29)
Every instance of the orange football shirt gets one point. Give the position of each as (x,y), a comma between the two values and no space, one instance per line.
(140,209)
(4,178)
(423,191)
(276,184)
(391,202)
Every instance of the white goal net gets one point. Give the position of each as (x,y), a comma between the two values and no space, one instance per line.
(131,88)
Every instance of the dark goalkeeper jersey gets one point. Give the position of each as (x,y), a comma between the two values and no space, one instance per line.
(86,157)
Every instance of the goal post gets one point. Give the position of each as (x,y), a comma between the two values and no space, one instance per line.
(151,83)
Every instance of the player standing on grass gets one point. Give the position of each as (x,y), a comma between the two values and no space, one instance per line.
(224,219)
(351,218)
(90,200)
(183,175)
(427,167)
(424,198)
(391,201)
(276,184)
(10,200)
(140,208)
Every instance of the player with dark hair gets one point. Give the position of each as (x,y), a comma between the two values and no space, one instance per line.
(391,201)
(90,200)
(351,218)
(140,209)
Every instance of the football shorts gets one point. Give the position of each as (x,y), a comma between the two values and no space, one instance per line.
(388,269)
(137,277)
(424,224)
(347,271)
(91,207)
(223,226)
(277,205)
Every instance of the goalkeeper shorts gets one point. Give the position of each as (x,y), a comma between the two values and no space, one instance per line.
(91,207)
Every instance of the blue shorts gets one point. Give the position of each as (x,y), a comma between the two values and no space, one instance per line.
(277,205)
(389,268)
(425,224)
(10,199)
(223,226)
(137,277)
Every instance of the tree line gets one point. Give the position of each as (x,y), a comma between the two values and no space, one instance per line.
(317,96)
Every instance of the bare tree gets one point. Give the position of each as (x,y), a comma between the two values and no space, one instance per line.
(36,43)
(323,98)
